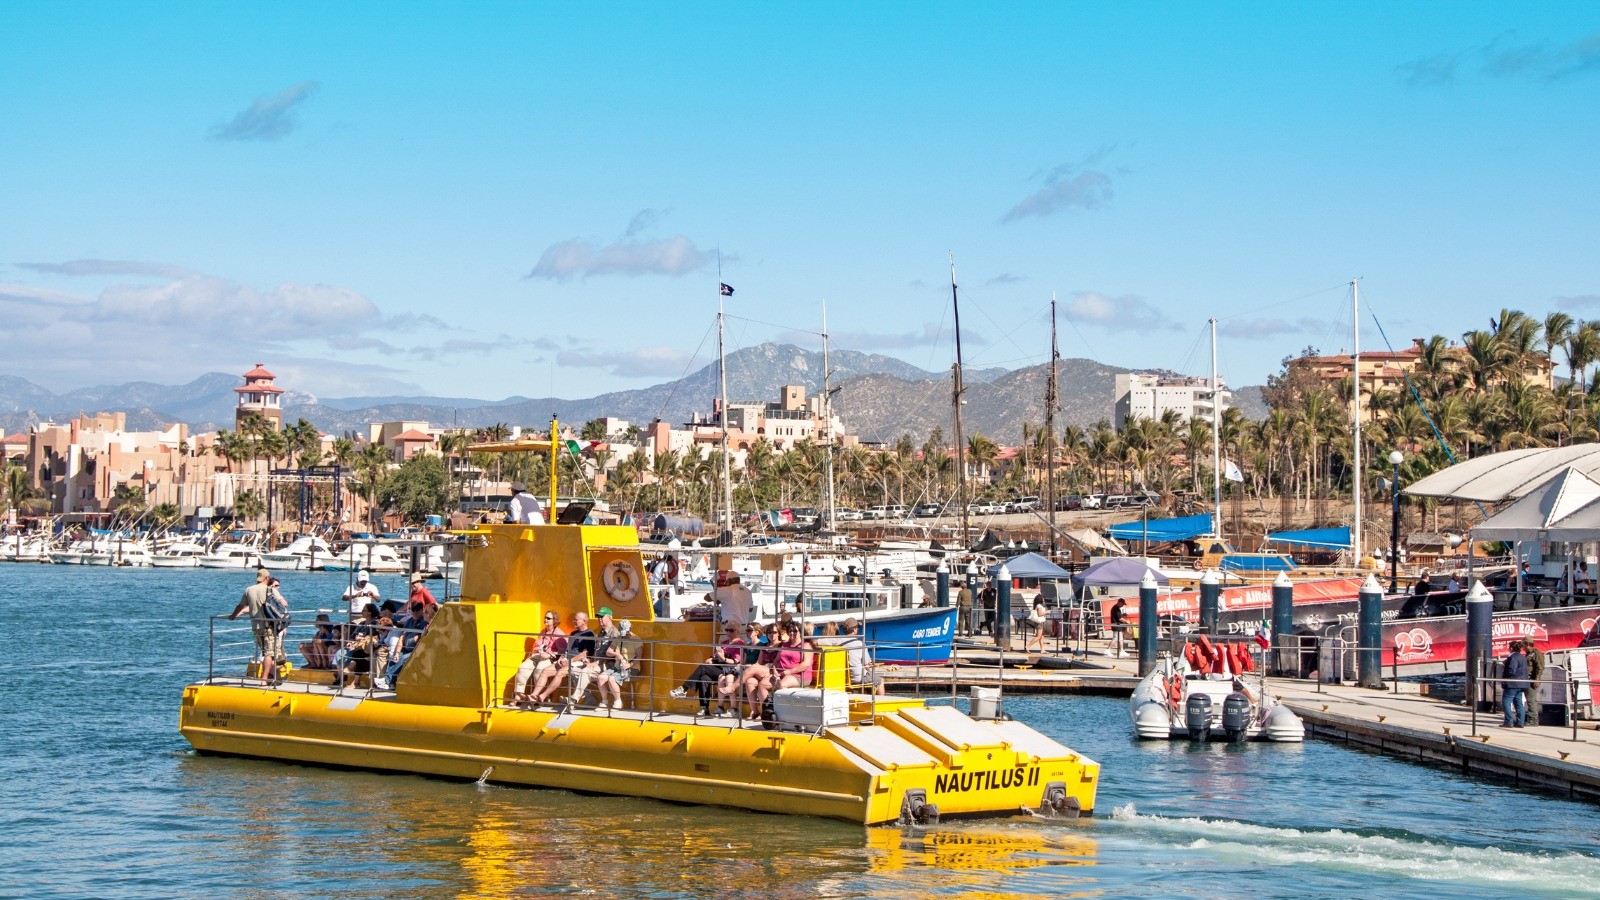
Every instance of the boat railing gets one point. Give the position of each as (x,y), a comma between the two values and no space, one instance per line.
(339,654)
(659,666)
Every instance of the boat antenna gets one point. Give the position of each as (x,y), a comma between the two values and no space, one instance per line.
(555,457)
(827,425)
(958,388)
(722,378)
(1216,439)
(1050,402)
(1355,372)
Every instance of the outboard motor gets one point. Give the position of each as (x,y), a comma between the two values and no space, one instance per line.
(1197,717)
(1236,716)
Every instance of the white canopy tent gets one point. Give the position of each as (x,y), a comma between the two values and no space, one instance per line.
(1546,512)
(1507,475)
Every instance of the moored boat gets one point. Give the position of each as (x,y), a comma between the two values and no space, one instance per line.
(1209,693)
(179,554)
(307,553)
(232,555)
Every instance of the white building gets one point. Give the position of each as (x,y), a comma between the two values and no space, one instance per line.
(1148,395)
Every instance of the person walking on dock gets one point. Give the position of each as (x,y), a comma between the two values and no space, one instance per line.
(1514,690)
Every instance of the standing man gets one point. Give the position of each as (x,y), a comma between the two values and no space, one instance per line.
(420,592)
(988,601)
(358,595)
(1514,690)
(736,601)
(267,610)
(964,609)
(525,508)
(1535,675)
(1119,624)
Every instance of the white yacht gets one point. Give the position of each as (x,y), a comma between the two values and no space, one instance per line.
(374,556)
(118,552)
(1221,697)
(21,547)
(179,554)
(232,555)
(307,553)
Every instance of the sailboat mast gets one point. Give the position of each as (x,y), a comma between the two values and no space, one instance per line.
(722,378)
(958,389)
(827,424)
(1050,429)
(1355,371)
(1216,440)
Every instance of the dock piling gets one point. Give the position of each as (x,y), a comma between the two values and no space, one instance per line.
(1149,624)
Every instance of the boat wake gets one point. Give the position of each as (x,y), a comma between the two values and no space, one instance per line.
(1521,871)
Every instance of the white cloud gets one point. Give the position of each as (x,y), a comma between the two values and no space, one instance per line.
(1263,328)
(579,258)
(268,118)
(1127,312)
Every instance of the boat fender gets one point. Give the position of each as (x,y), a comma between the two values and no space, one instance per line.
(620,580)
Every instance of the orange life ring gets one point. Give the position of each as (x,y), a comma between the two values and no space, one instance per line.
(672,568)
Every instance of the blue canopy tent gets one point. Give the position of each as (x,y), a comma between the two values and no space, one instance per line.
(1031,565)
(1119,571)
(1314,538)
(1161,531)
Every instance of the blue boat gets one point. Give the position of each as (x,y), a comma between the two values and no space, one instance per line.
(911,636)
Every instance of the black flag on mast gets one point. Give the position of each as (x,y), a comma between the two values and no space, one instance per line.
(727,290)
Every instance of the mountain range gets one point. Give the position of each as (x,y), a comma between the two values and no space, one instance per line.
(879,398)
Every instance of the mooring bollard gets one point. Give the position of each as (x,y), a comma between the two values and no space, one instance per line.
(1287,661)
(1002,611)
(1149,624)
(1210,595)
(1480,626)
(943,591)
(1369,657)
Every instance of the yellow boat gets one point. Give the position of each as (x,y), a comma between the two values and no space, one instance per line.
(449,713)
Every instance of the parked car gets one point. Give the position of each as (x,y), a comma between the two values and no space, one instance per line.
(875,512)
(896,511)
(846,514)
(1023,504)
(1146,498)
(986,508)
(927,510)
(1069,502)
(1116,501)
(1094,501)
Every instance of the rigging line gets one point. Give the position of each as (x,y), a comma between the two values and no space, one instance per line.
(1282,302)
(1418,399)
(1193,351)
(773,324)
(686,366)
(1005,335)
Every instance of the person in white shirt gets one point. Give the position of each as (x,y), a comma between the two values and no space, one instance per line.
(525,509)
(736,601)
(358,595)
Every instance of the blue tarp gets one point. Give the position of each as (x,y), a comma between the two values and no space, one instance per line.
(1031,565)
(1161,531)
(1319,538)
(1255,564)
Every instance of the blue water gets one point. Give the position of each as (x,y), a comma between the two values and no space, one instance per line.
(103,799)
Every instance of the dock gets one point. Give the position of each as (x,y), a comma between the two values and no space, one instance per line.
(1408,725)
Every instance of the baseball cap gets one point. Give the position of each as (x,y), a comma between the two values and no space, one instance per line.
(603,611)
(363,575)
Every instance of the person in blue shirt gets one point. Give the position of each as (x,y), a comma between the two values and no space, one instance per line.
(1514,691)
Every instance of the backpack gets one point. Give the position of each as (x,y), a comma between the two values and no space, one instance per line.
(276,609)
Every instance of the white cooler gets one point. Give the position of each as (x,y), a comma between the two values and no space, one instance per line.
(811,707)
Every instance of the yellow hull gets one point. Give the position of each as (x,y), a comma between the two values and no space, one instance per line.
(859,773)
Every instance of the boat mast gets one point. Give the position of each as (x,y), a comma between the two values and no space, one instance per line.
(722,378)
(1050,429)
(1216,440)
(827,424)
(955,400)
(1355,371)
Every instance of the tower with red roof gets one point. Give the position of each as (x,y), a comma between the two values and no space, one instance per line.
(260,397)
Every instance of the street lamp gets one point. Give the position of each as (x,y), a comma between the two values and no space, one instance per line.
(1395,457)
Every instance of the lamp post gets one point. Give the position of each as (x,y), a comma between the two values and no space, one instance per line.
(1395,457)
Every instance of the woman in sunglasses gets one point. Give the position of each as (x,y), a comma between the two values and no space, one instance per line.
(543,651)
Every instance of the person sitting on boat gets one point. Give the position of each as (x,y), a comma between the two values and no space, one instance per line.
(361,638)
(793,665)
(525,508)
(580,649)
(544,651)
(858,658)
(319,651)
(267,609)
(707,677)
(616,663)
(421,618)
(363,592)
(756,678)
(405,625)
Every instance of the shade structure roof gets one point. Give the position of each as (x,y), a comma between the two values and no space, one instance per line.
(1314,538)
(1160,531)
(1507,475)
(1563,508)
(1121,571)
(1030,565)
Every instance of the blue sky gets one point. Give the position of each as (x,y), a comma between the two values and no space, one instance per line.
(496,199)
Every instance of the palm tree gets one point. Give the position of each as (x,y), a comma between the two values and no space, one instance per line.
(250,505)
(981,452)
